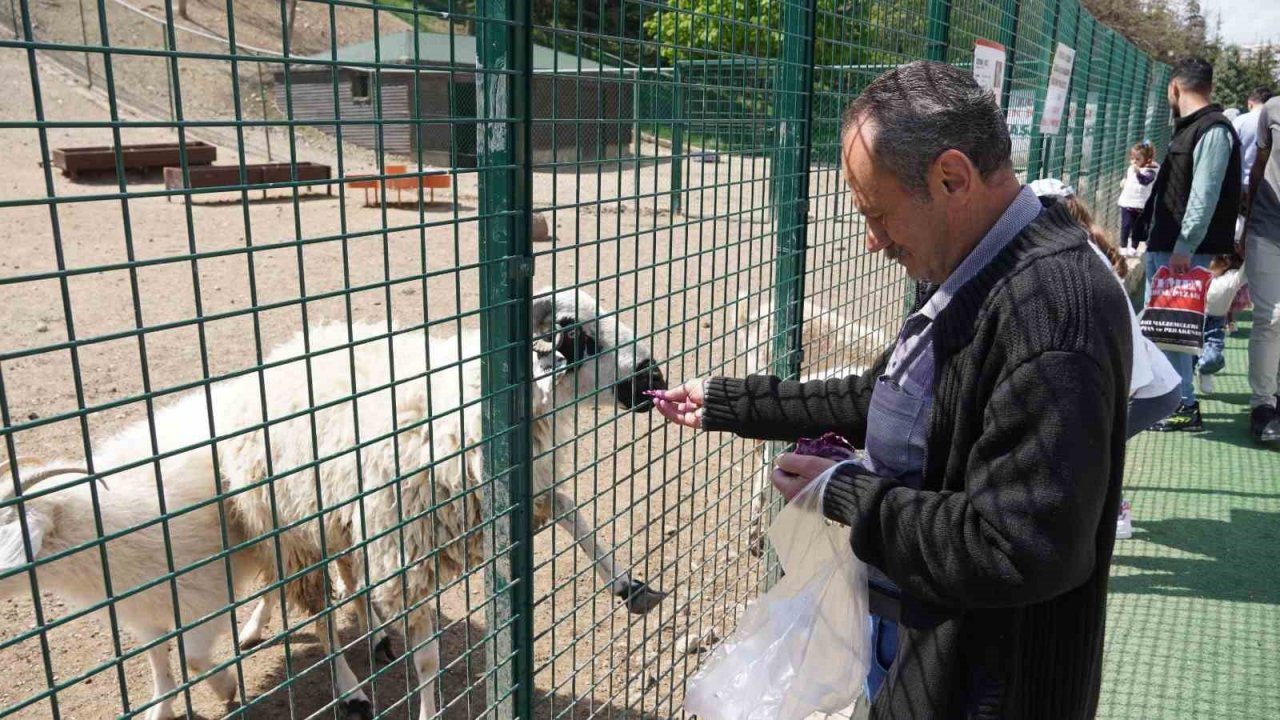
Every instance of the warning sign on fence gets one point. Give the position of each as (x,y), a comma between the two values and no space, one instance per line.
(988,65)
(1055,97)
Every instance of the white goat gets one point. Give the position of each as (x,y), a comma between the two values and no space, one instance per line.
(832,346)
(59,518)
(303,472)
(425,529)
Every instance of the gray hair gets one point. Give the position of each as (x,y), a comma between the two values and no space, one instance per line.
(922,109)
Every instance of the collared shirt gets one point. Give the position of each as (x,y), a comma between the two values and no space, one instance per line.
(911,365)
(1246,126)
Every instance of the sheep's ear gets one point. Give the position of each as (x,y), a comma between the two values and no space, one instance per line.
(543,315)
(12,553)
(576,343)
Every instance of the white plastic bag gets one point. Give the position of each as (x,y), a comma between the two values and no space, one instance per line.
(802,647)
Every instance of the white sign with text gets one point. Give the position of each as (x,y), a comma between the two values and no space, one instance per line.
(988,65)
(1055,98)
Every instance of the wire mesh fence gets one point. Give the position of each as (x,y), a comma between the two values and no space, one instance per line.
(328,324)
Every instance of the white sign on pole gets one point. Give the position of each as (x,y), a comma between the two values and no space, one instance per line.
(988,65)
(1055,98)
(1022,103)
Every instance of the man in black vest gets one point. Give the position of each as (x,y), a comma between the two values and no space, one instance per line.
(1193,206)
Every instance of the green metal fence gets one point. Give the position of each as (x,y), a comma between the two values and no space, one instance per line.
(321,373)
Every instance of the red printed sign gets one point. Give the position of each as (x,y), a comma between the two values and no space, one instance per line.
(1174,316)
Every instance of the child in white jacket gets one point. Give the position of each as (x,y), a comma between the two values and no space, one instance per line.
(1139,178)
(1228,278)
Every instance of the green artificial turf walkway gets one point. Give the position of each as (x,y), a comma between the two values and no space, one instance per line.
(1193,622)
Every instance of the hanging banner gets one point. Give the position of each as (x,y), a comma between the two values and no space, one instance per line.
(1055,98)
(988,65)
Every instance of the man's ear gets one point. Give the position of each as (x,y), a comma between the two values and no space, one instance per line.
(954,172)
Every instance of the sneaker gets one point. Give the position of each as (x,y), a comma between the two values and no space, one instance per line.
(1124,523)
(1264,424)
(1206,384)
(1185,419)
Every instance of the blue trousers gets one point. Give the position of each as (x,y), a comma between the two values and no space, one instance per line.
(884,647)
(1212,359)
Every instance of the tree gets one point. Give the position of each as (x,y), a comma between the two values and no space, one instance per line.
(1164,30)
(1236,73)
(849,32)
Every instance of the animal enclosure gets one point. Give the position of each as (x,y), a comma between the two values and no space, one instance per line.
(273,452)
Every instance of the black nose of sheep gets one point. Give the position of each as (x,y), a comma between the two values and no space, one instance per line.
(630,392)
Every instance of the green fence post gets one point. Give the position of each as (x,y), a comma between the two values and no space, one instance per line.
(1148,82)
(504,62)
(1044,71)
(938,33)
(938,39)
(1104,137)
(1009,38)
(677,144)
(1101,70)
(1081,82)
(793,109)
(793,115)
(1068,32)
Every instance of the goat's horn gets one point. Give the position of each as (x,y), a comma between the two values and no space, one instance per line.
(47,473)
(44,474)
(7,465)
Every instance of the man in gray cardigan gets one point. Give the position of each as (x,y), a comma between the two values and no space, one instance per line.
(993,431)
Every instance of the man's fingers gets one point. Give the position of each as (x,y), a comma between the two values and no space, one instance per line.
(786,484)
(675,394)
(806,466)
(674,413)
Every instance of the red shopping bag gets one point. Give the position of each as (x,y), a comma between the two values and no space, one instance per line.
(1174,316)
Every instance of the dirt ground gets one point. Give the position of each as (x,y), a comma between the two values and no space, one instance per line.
(675,505)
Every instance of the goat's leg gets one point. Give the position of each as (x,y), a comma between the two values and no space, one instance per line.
(252,632)
(426,658)
(161,679)
(357,704)
(638,596)
(366,614)
(198,643)
(310,593)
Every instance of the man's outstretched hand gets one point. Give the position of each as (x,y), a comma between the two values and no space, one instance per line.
(682,404)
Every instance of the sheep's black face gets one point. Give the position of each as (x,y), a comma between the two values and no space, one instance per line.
(630,392)
(599,355)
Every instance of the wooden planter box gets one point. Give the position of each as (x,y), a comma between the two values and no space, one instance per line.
(254,174)
(75,160)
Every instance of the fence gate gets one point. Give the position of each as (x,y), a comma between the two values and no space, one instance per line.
(328,322)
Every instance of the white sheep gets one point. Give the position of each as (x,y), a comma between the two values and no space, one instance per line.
(334,489)
(386,474)
(59,510)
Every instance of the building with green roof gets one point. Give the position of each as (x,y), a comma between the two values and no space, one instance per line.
(410,91)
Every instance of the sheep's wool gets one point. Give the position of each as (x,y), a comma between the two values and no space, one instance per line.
(349,464)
